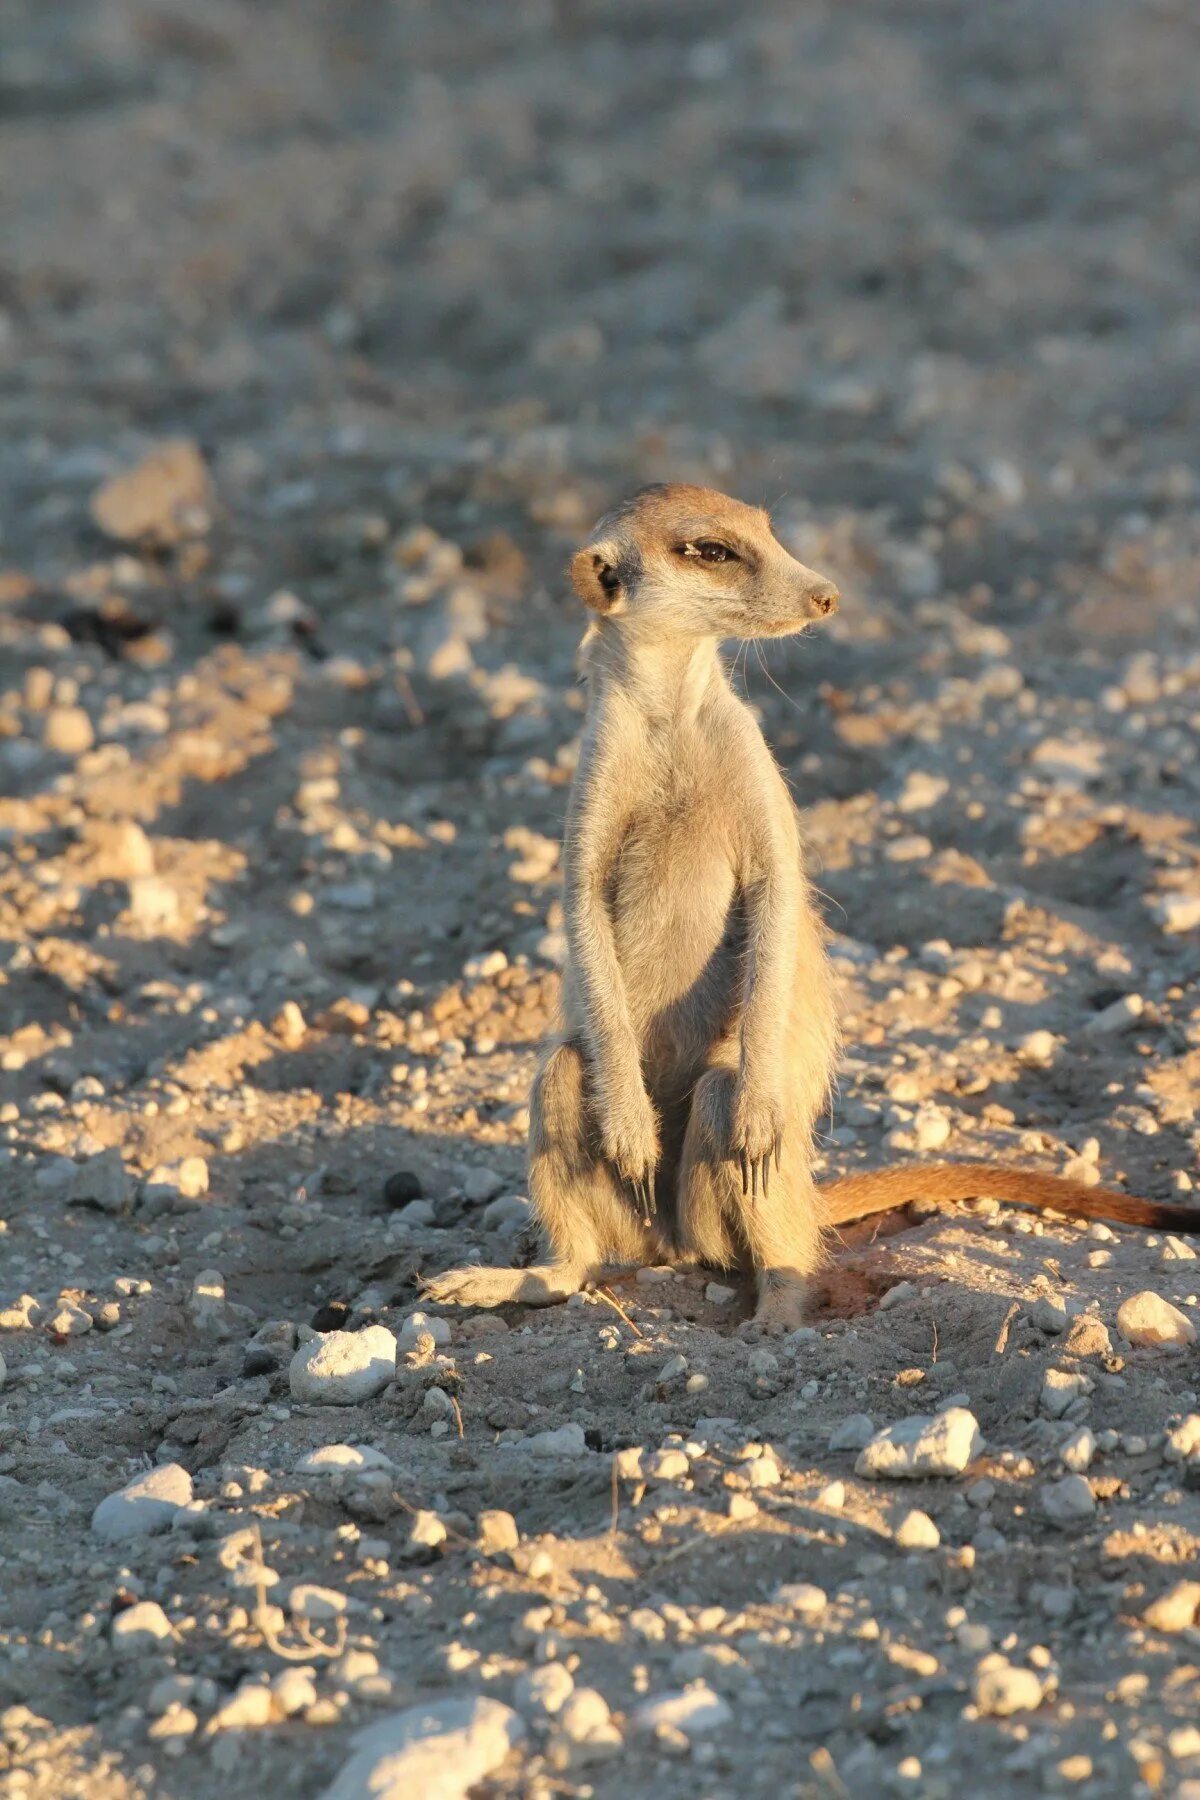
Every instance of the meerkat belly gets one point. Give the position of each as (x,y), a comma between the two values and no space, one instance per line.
(680,933)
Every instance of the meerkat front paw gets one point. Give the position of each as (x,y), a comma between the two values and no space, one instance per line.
(755,1137)
(629,1137)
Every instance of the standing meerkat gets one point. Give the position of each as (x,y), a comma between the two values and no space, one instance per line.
(672,1116)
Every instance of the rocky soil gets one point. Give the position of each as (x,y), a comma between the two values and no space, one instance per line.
(323,330)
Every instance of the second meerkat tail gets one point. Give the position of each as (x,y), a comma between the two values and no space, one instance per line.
(860,1196)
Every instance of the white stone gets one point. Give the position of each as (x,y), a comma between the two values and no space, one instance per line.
(69,1320)
(1120,1016)
(1183,1440)
(853,1433)
(1060,1389)
(1077,1453)
(693,1713)
(567,1440)
(585,1723)
(917,1531)
(1177,912)
(1038,1049)
(308,1601)
(801,1597)
(1068,1501)
(139,1628)
(343,1368)
(941,1444)
(426,1533)
(544,1690)
(342,1459)
(1001,1690)
(147,1504)
(665,1465)
(434,1752)
(1049,1314)
(764,1472)
(931,1128)
(419,1323)
(294,1691)
(897,1296)
(1148,1321)
(1176,1609)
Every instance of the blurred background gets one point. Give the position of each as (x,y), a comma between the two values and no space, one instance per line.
(922,275)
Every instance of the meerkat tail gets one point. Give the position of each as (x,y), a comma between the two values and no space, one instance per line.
(860,1196)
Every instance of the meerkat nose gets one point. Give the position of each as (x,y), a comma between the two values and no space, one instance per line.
(824,600)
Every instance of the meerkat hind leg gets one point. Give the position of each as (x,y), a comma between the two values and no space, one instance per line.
(779,1233)
(587,1221)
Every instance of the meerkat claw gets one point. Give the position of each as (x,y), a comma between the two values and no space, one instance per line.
(778,1149)
(766,1170)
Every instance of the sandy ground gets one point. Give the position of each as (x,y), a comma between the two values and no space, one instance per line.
(286,723)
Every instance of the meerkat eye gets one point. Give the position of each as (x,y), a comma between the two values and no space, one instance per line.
(708,550)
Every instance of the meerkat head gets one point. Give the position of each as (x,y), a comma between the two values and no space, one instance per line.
(685,561)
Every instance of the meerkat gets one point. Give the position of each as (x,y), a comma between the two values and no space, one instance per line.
(672,1114)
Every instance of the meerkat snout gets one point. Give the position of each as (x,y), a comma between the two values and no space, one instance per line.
(823,601)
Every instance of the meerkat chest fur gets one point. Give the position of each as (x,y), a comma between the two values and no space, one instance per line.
(674,886)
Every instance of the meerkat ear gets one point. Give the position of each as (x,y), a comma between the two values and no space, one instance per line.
(595,579)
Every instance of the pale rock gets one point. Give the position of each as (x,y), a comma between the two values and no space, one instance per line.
(293,1691)
(69,1320)
(1049,1314)
(665,1465)
(584,1727)
(544,1690)
(308,1601)
(163,498)
(343,1368)
(1175,1610)
(1122,1015)
(566,1440)
(101,1181)
(694,1712)
(1148,1321)
(22,1315)
(343,1459)
(1077,1453)
(437,1752)
(154,904)
(917,1531)
(1060,1389)
(141,1627)
(1183,1440)
(1177,912)
(419,1324)
(1038,1049)
(803,1598)
(426,1535)
(1001,1690)
(931,1128)
(1069,1501)
(921,791)
(249,1709)
(764,1472)
(853,1433)
(939,1444)
(67,731)
(148,1504)
(496,1531)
